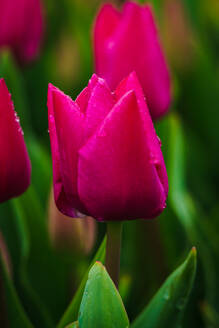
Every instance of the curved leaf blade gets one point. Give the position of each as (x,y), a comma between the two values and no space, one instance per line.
(71,313)
(101,304)
(16,315)
(167,306)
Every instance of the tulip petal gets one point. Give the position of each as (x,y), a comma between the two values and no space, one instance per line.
(21,27)
(154,143)
(134,45)
(126,182)
(106,22)
(60,196)
(15,167)
(83,97)
(95,101)
(100,103)
(66,128)
(31,36)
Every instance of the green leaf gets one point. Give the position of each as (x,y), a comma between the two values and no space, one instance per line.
(15,314)
(167,307)
(101,304)
(72,311)
(41,167)
(50,284)
(187,210)
(32,302)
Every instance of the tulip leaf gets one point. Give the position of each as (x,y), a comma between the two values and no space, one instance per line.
(186,209)
(72,311)
(50,284)
(41,167)
(15,314)
(167,307)
(101,304)
(31,300)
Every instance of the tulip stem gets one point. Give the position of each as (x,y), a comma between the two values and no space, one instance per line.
(113,246)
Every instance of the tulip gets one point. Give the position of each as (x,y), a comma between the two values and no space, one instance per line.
(71,235)
(21,26)
(15,168)
(128,41)
(107,159)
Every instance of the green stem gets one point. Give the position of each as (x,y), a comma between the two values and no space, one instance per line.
(113,245)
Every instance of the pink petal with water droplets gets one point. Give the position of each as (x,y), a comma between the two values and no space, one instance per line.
(15,167)
(116,180)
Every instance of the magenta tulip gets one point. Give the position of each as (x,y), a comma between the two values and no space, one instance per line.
(15,169)
(107,160)
(21,26)
(128,41)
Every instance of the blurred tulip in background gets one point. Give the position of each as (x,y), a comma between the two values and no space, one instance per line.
(129,41)
(21,27)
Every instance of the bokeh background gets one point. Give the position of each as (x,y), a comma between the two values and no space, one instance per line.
(46,276)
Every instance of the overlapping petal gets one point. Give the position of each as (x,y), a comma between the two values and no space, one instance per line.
(66,133)
(107,160)
(126,182)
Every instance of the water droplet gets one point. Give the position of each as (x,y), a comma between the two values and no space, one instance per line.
(154,160)
(160,143)
(164,206)
(21,131)
(166,295)
(16,117)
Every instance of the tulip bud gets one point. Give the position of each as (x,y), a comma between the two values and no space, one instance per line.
(15,168)
(68,234)
(21,26)
(107,159)
(126,42)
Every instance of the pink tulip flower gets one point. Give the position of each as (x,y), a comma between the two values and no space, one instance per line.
(21,27)
(15,168)
(128,41)
(107,159)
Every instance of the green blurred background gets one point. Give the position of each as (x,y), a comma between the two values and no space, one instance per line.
(45,278)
